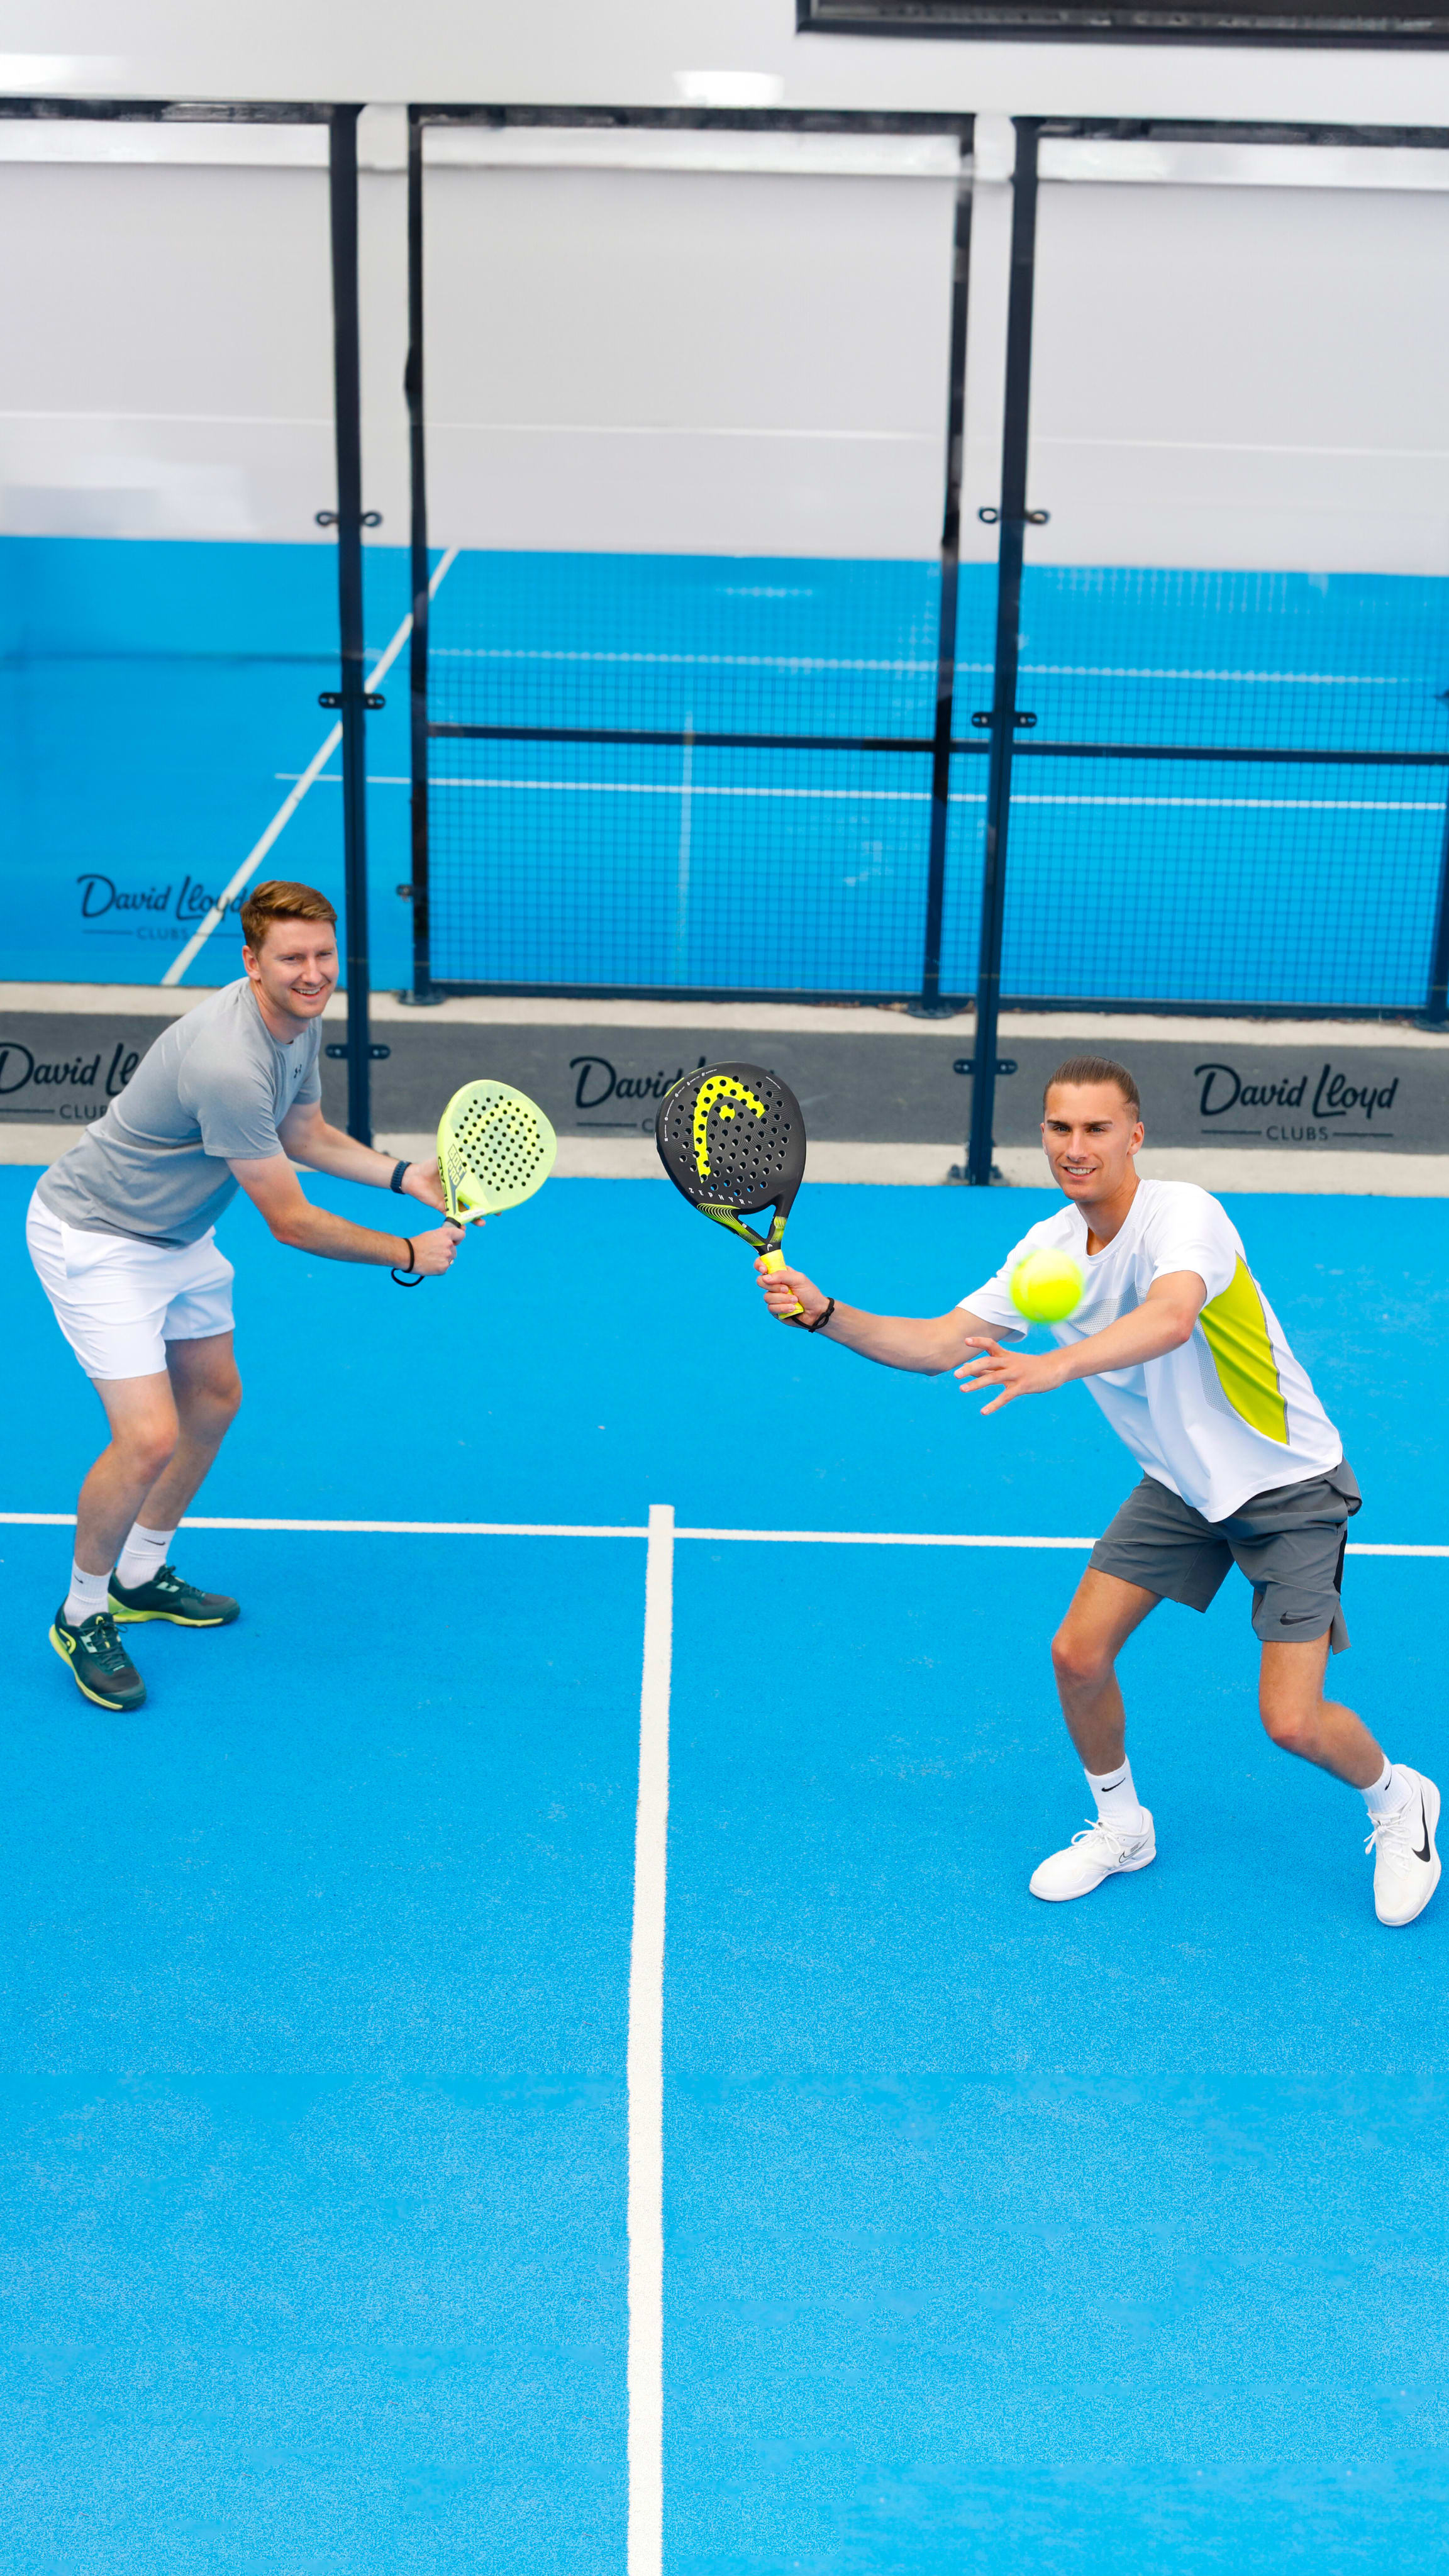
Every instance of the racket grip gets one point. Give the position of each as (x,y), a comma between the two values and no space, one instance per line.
(776,1261)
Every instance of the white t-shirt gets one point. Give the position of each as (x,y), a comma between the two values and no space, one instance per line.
(1229,1414)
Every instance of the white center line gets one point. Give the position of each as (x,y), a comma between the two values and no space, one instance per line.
(646,2063)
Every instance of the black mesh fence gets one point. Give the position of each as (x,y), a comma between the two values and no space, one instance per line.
(699,773)
(1228,784)
(1230,749)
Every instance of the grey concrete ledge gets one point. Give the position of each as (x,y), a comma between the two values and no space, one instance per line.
(1099,1029)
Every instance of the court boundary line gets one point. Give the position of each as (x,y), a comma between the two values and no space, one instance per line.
(641,1530)
(645,2062)
(216,916)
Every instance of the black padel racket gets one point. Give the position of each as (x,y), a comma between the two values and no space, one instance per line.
(732,1139)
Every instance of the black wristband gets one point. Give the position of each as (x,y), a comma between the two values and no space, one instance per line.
(396,1182)
(822,1319)
(416,1279)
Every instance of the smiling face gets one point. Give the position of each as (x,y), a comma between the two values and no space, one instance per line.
(294,972)
(1091,1134)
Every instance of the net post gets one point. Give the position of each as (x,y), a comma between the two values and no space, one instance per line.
(928,1004)
(347,379)
(422,983)
(1008,641)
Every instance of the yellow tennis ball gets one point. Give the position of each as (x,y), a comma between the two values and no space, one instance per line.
(1046,1287)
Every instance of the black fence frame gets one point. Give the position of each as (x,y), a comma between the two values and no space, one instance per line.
(1004,744)
(350,698)
(927,1000)
(1008,744)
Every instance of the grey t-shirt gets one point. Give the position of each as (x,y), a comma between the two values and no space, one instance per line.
(213,1089)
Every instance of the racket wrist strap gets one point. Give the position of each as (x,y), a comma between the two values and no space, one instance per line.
(822,1319)
(398,1171)
(412,1276)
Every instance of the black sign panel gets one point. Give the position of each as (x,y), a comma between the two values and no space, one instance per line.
(1189,22)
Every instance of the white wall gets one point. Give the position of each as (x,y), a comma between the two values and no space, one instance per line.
(1233,367)
(688,361)
(634,51)
(1242,375)
(165,351)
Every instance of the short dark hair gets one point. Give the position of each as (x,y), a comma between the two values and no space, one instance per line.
(282,900)
(1096,1068)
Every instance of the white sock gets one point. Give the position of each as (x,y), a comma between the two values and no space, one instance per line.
(1117,1800)
(86,1596)
(143,1555)
(1390,1792)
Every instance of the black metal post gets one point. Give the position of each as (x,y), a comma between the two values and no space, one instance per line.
(422,989)
(930,1005)
(347,375)
(1436,1000)
(1013,524)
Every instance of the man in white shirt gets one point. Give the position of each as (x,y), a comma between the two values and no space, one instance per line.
(1241,1465)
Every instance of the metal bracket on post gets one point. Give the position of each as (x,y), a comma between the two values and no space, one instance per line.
(349,518)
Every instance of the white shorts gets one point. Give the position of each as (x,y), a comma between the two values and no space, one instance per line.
(119,1301)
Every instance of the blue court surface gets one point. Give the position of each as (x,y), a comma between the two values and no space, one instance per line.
(997,2237)
(158,703)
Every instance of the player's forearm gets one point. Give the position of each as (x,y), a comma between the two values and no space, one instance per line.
(327,1149)
(335,1238)
(1146,1334)
(928,1345)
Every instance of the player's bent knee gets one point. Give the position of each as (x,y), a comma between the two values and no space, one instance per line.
(1077,1661)
(1287,1723)
(147,1451)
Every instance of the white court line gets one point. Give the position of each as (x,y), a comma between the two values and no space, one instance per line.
(213,920)
(646,2063)
(1029,670)
(921,795)
(612,1529)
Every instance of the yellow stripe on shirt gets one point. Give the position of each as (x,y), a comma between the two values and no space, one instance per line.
(1236,1330)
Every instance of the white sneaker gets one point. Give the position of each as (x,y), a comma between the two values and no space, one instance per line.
(1406,1863)
(1099,1851)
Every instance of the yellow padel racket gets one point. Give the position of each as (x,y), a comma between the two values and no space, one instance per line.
(495,1148)
(732,1139)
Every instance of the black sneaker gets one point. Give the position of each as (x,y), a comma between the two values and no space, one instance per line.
(168,1596)
(99,1661)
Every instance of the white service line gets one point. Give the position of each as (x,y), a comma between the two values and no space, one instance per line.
(878,1538)
(213,920)
(624,1529)
(646,2063)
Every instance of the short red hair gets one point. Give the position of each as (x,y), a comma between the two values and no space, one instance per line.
(280,900)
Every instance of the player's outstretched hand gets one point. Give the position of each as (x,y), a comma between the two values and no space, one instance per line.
(435,1253)
(424,1181)
(1006,1374)
(787,1289)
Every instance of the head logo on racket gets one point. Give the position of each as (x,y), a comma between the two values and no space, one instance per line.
(732,1139)
(718,1091)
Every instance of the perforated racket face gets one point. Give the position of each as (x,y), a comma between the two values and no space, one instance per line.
(732,1136)
(495,1148)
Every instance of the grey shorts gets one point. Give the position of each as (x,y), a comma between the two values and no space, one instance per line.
(1288,1541)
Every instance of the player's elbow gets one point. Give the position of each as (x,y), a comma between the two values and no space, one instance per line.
(290,1228)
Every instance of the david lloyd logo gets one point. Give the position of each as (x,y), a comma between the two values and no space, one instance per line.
(187,903)
(28,1082)
(1335,1096)
(599,1082)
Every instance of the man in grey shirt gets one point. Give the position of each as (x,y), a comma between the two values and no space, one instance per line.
(121,1231)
